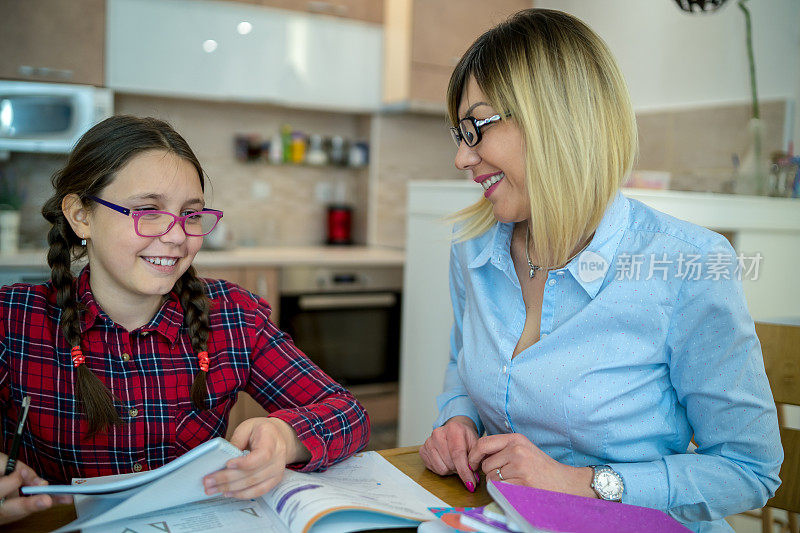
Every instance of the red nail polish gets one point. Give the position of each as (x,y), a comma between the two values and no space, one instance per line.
(470,486)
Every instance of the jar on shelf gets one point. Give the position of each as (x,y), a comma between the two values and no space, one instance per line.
(298,148)
(338,155)
(357,156)
(316,155)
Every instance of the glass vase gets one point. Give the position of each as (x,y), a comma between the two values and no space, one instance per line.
(751,176)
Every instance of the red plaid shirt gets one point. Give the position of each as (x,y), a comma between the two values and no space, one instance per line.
(150,371)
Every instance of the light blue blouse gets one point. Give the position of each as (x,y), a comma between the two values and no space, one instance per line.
(644,344)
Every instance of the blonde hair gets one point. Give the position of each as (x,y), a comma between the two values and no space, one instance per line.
(563,88)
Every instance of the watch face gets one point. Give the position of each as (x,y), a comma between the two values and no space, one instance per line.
(608,485)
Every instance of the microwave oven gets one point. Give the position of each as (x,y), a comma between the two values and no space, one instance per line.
(49,117)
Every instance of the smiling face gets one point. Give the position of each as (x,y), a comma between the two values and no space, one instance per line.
(497,162)
(134,270)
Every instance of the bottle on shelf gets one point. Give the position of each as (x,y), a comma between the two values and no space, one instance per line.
(316,154)
(275,155)
(286,141)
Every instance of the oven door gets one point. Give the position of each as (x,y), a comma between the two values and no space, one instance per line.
(353,337)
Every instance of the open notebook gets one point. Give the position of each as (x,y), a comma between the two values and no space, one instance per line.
(365,491)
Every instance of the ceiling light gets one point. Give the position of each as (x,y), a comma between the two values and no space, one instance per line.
(209,45)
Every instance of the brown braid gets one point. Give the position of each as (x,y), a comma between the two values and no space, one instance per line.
(99,154)
(95,398)
(195,311)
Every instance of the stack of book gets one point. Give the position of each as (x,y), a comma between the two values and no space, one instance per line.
(519,509)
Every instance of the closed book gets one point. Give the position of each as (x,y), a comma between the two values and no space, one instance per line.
(536,510)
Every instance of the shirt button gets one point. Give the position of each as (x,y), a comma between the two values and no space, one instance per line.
(543,335)
(552,282)
(137,467)
(145,333)
(126,357)
(505,369)
(133,412)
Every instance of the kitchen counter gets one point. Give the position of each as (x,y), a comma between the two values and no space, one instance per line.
(278,256)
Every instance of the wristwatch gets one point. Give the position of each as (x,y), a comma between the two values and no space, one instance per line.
(607,483)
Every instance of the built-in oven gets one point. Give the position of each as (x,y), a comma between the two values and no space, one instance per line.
(346,319)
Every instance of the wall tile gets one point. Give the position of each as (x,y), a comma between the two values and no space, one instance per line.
(697,145)
(410,147)
(292,213)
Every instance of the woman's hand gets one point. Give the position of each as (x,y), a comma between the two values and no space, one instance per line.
(273,444)
(521,462)
(13,506)
(446,450)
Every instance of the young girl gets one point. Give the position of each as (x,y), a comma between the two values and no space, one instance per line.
(137,360)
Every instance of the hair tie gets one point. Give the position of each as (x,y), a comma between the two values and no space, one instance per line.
(77,356)
(203,358)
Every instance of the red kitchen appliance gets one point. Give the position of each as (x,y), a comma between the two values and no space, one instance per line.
(340,224)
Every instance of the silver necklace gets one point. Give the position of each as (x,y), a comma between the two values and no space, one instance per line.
(533,269)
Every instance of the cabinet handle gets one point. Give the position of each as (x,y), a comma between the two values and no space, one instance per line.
(319,6)
(45,72)
(345,301)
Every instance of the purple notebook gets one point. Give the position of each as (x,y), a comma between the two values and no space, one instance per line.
(537,510)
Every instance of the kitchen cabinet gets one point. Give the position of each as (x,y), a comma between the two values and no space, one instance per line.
(262,281)
(424,41)
(196,50)
(52,40)
(366,10)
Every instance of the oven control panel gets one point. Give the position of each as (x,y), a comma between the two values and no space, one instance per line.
(303,279)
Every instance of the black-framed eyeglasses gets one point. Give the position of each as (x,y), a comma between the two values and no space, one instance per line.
(469,129)
(151,223)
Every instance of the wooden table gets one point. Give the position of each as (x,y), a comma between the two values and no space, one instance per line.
(450,489)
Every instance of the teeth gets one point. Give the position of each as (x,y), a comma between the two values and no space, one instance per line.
(163,261)
(491,181)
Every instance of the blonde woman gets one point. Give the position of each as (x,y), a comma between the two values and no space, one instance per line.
(584,345)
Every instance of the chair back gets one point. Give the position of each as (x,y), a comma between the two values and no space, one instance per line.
(780,345)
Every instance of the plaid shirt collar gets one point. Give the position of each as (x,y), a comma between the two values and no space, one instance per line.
(167,321)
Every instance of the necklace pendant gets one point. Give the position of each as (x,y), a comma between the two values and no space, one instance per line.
(532,272)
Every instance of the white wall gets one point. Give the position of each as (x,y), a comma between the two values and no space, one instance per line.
(675,59)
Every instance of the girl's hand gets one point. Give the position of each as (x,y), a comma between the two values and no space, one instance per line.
(446,450)
(273,444)
(521,462)
(15,506)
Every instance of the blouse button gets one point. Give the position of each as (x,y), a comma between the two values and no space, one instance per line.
(552,282)
(137,467)
(505,369)
(126,357)
(133,412)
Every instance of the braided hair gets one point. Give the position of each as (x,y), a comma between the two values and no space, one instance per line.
(92,165)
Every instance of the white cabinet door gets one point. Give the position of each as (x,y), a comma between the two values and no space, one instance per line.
(332,62)
(195,49)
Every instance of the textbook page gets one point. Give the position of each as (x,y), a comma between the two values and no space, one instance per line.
(204,459)
(365,491)
(218,515)
(362,492)
(180,485)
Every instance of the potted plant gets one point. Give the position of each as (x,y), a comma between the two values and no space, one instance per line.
(12,197)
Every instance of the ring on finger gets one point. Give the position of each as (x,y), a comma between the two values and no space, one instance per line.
(2,501)
(499,474)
